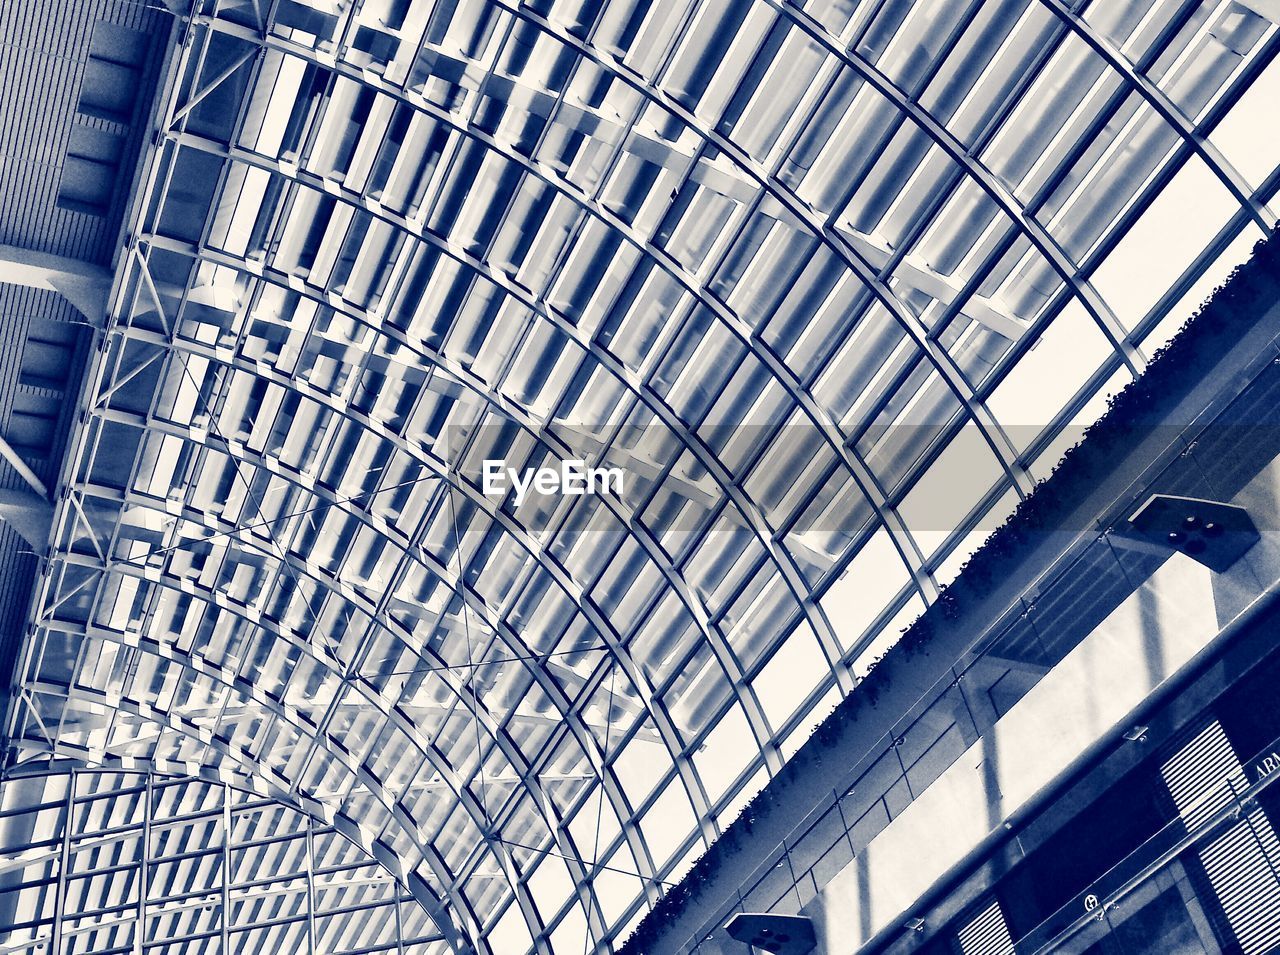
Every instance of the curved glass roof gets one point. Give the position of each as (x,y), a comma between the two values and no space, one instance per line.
(106,862)
(833,283)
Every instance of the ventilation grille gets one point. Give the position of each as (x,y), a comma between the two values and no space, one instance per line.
(1242,863)
(1203,776)
(988,934)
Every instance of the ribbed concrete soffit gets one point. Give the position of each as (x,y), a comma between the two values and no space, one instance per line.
(515,425)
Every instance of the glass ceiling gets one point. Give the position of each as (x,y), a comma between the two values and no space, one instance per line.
(109,862)
(834,283)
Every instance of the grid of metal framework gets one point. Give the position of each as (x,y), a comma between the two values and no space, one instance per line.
(833,282)
(123,862)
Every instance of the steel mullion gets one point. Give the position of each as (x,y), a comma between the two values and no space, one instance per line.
(1185,126)
(261,774)
(634,681)
(311,888)
(424,744)
(350,308)
(654,705)
(60,891)
(839,244)
(1050,308)
(659,259)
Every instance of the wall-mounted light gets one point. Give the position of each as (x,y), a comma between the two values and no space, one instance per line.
(777,934)
(1209,532)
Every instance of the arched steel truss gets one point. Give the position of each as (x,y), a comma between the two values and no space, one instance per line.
(122,860)
(355,694)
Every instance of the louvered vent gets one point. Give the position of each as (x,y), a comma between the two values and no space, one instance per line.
(1242,863)
(988,934)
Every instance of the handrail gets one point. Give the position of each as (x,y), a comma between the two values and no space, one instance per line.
(1243,800)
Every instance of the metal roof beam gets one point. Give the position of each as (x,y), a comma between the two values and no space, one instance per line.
(915,273)
(27,512)
(81,283)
